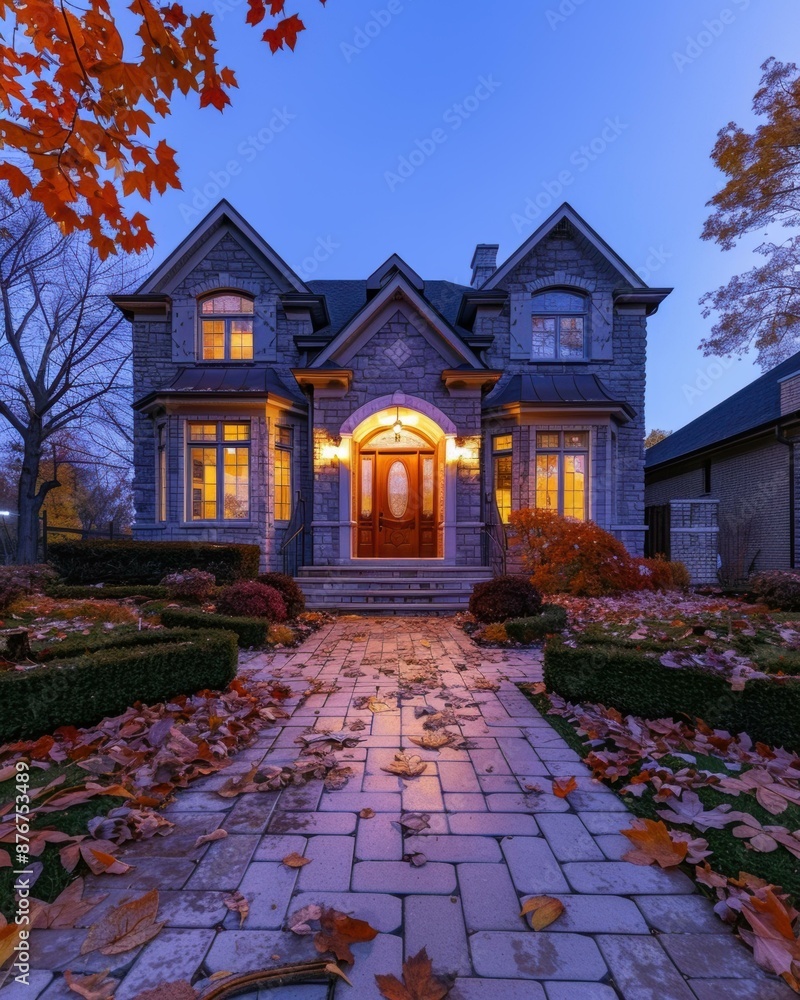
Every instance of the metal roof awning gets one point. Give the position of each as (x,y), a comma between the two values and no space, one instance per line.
(227,382)
(557,391)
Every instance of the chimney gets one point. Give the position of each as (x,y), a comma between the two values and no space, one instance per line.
(484,263)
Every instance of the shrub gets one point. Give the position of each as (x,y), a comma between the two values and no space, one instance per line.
(504,597)
(289,590)
(144,592)
(104,561)
(249,631)
(493,632)
(121,638)
(250,599)
(637,684)
(280,635)
(191,585)
(665,575)
(18,580)
(553,618)
(777,588)
(83,691)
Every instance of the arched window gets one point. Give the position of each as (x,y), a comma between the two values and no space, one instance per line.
(226,328)
(559,326)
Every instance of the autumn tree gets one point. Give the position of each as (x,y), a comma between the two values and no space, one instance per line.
(654,436)
(760,308)
(81,87)
(63,347)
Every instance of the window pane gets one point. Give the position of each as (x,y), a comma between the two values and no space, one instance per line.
(561,302)
(502,442)
(366,487)
(236,495)
(283,484)
(427,487)
(546,439)
(241,339)
(283,435)
(576,439)
(397,490)
(547,482)
(236,432)
(204,483)
(571,339)
(227,304)
(202,432)
(575,486)
(543,344)
(162,474)
(502,486)
(213,340)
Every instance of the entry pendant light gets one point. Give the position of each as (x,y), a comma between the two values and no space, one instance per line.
(398,426)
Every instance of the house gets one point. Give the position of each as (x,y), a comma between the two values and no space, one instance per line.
(379,428)
(740,456)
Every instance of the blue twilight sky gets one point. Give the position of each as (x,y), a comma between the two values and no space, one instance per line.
(311,150)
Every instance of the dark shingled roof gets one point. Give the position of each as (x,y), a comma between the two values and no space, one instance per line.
(554,390)
(249,381)
(345,298)
(757,404)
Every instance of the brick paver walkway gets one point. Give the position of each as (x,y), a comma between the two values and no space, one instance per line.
(494,839)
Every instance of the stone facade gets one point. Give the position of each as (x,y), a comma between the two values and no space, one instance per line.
(436,353)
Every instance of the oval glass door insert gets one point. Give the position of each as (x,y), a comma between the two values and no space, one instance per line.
(397,489)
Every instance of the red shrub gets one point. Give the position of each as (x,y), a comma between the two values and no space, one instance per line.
(190,585)
(250,599)
(505,597)
(289,591)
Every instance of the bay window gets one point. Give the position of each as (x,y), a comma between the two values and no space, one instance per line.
(283,473)
(502,473)
(562,472)
(219,471)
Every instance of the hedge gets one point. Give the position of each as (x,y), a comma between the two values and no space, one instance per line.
(553,618)
(250,631)
(124,637)
(73,592)
(83,691)
(637,684)
(126,562)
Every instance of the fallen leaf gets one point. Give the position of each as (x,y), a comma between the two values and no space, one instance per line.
(375,706)
(300,921)
(338,931)
(562,787)
(178,990)
(418,982)
(295,860)
(433,741)
(94,987)
(209,838)
(415,821)
(97,855)
(66,910)
(543,911)
(653,845)
(9,936)
(406,765)
(236,902)
(125,926)
(367,813)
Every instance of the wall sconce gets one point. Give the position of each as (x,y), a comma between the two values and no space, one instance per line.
(335,450)
(456,449)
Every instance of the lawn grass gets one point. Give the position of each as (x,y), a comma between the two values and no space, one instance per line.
(730,855)
(54,878)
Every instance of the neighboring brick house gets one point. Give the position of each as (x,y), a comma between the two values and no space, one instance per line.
(742,457)
(366,422)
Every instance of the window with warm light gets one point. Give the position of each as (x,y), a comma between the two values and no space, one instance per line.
(562,483)
(283,473)
(226,328)
(558,326)
(219,471)
(502,466)
(161,473)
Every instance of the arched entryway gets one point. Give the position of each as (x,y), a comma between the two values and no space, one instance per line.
(400,494)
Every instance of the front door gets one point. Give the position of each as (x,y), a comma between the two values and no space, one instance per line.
(396,505)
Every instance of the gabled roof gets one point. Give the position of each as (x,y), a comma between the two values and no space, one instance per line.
(394,265)
(755,406)
(221,215)
(397,288)
(566,211)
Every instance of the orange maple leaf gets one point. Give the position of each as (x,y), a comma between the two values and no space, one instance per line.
(653,845)
(562,787)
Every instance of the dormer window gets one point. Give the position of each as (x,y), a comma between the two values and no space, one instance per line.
(226,328)
(559,326)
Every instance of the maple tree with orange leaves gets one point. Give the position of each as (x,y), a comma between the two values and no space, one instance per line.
(78,98)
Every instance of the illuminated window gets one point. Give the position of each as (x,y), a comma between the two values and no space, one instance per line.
(161,484)
(283,473)
(562,459)
(558,327)
(219,471)
(226,328)
(502,463)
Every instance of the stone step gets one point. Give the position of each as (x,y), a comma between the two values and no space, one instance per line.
(390,608)
(313,583)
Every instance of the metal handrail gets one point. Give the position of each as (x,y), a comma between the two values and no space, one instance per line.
(295,556)
(494,530)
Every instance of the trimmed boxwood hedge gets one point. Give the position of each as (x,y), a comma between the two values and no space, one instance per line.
(84,592)
(82,691)
(637,684)
(553,618)
(127,562)
(121,638)
(250,631)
